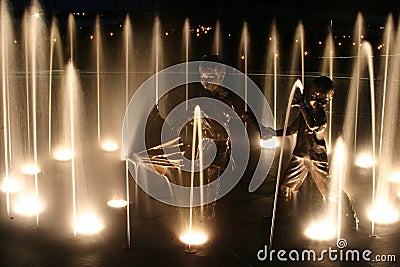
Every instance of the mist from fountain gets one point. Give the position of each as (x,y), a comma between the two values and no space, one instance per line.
(385,210)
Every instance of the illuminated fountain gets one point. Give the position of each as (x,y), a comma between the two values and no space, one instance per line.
(194,236)
(382,211)
(39,112)
(385,210)
(5,32)
(327,69)
(330,222)
(34,28)
(271,84)
(295,86)
(244,52)
(10,185)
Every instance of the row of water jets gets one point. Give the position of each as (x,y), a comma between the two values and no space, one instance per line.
(25,143)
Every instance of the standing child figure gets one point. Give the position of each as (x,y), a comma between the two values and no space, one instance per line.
(310,153)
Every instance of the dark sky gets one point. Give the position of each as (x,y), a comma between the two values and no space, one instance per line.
(248,8)
(259,13)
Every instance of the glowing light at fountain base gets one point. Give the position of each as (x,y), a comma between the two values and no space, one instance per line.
(31,169)
(63,154)
(364,160)
(117,203)
(383,213)
(193,238)
(89,224)
(109,146)
(10,186)
(394,177)
(323,230)
(28,206)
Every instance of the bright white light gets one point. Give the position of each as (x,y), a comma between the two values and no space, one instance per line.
(117,203)
(193,238)
(323,230)
(31,169)
(109,146)
(28,206)
(89,224)
(36,15)
(269,144)
(394,177)
(63,154)
(364,160)
(383,213)
(10,185)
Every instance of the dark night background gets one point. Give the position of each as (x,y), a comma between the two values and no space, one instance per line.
(243,217)
(316,17)
(288,11)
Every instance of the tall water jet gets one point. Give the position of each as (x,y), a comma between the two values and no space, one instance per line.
(272,65)
(297,57)
(64,154)
(55,47)
(338,174)
(6,57)
(35,30)
(4,53)
(271,80)
(359,35)
(327,69)
(388,37)
(27,82)
(217,45)
(192,236)
(128,44)
(71,36)
(384,211)
(71,85)
(244,55)
(296,85)
(364,61)
(157,53)
(84,219)
(368,50)
(186,45)
(57,143)
(98,50)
